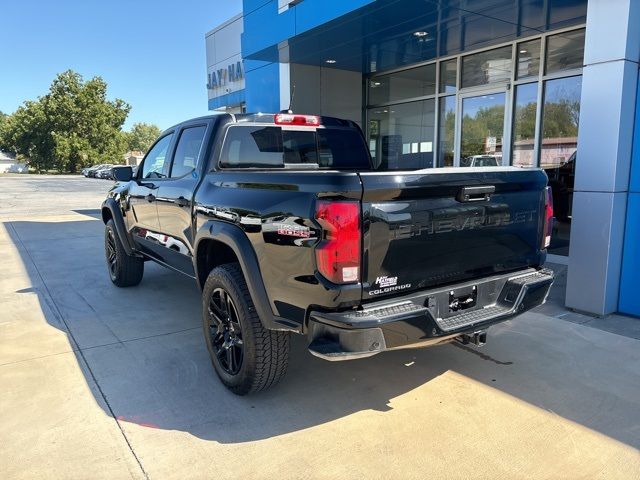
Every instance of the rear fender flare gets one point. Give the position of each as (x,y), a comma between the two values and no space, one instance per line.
(237,240)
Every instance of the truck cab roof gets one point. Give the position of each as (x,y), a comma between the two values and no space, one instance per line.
(269,118)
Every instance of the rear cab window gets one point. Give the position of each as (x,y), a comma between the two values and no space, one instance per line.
(185,160)
(257,146)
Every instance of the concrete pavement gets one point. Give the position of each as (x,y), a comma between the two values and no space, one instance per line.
(116,383)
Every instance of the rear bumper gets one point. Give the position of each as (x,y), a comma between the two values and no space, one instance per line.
(425,318)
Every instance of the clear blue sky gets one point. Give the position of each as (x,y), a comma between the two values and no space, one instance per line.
(150,53)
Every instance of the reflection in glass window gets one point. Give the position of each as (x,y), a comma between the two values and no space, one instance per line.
(272,147)
(448,76)
(403,135)
(187,151)
(486,67)
(524,125)
(342,148)
(528,58)
(156,163)
(258,147)
(447,131)
(482,129)
(561,112)
(299,146)
(565,51)
(417,82)
(560,12)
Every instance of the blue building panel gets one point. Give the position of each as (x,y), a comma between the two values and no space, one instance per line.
(254,64)
(313,13)
(264,27)
(230,99)
(635,156)
(367,35)
(249,6)
(630,281)
(263,89)
(629,302)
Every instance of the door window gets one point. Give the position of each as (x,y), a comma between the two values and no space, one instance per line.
(156,163)
(482,130)
(187,153)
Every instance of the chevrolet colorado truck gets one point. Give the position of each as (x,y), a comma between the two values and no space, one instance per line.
(288,227)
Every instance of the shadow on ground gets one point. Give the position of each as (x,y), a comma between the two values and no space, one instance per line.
(144,347)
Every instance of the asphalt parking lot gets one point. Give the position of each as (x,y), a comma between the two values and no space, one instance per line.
(101,382)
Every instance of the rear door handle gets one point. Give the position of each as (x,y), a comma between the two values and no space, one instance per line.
(182,202)
(150,198)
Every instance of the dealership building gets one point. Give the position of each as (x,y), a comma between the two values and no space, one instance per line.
(453,83)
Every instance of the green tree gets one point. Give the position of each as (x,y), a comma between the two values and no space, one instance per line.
(72,126)
(487,122)
(142,135)
(3,123)
(560,119)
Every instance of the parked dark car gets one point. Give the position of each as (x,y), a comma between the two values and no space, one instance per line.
(106,173)
(561,181)
(287,228)
(91,171)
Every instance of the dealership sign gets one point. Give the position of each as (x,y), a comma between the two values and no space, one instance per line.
(226,79)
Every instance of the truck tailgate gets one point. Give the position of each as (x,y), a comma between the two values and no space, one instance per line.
(429,228)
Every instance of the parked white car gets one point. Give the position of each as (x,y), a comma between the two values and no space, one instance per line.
(482,161)
(8,164)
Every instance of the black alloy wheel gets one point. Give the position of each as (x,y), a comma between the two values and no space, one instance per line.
(124,270)
(112,257)
(245,355)
(225,331)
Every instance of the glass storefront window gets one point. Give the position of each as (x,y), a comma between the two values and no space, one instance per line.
(561,112)
(486,67)
(403,135)
(472,103)
(447,131)
(482,130)
(448,71)
(565,51)
(528,59)
(524,125)
(417,82)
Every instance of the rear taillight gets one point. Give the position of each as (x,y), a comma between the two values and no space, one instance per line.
(291,119)
(548,218)
(338,254)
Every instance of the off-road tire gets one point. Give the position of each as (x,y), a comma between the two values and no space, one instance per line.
(265,355)
(126,270)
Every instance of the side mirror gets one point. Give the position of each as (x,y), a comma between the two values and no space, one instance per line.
(122,174)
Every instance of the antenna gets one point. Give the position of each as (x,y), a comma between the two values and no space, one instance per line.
(293,92)
(288,110)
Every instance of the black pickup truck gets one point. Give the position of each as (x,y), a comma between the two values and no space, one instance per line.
(287,227)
